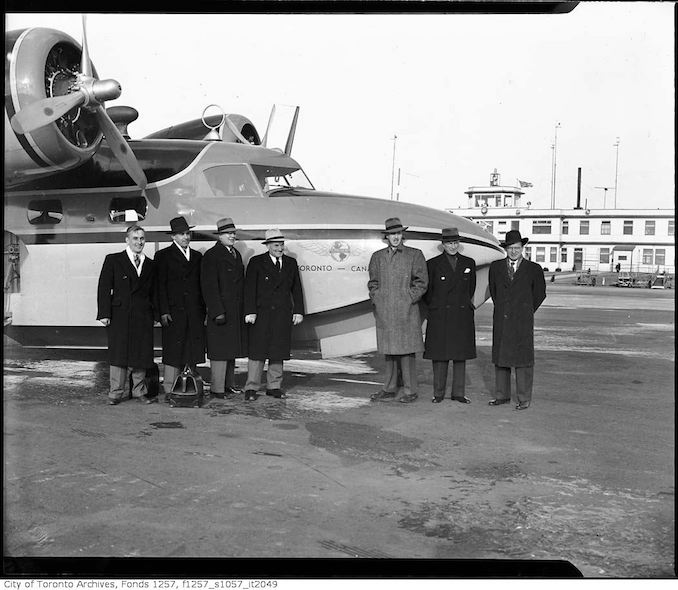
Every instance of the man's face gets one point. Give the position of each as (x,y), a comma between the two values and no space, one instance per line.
(394,240)
(136,240)
(227,238)
(451,247)
(182,239)
(275,249)
(515,251)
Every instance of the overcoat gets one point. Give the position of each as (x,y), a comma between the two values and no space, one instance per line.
(129,301)
(179,295)
(274,296)
(515,302)
(223,281)
(450,330)
(398,280)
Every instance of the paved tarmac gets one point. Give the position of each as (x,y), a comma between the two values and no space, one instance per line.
(585,475)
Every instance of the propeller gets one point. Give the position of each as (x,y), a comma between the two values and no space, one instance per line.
(89,93)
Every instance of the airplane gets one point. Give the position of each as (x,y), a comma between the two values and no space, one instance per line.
(75,180)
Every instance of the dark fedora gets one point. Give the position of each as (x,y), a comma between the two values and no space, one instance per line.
(393,226)
(179,225)
(225,225)
(513,237)
(450,234)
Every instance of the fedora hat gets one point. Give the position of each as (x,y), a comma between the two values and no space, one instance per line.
(450,234)
(224,225)
(179,225)
(513,237)
(273,235)
(393,226)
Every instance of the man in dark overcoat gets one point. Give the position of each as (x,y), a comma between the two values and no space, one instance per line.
(274,303)
(398,280)
(517,288)
(180,302)
(126,306)
(223,282)
(450,330)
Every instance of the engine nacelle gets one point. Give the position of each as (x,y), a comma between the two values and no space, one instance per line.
(41,63)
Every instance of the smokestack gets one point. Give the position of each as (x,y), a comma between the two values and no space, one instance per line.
(578,189)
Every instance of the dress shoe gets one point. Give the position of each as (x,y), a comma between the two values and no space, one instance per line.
(233,391)
(498,402)
(114,402)
(382,395)
(437,400)
(408,399)
(250,395)
(523,406)
(463,399)
(276,393)
(148,400)
(217,394)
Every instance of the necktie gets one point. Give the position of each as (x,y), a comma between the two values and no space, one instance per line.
(137,260)
(453,260)
(232,252)
(277,264)
(512,269)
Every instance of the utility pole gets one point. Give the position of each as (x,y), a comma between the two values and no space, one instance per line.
(394,138)
(605,188)
(555,162)
(616,172)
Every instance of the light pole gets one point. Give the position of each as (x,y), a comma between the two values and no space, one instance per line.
(616,172)
(394,138)
(605,188)
(554,165)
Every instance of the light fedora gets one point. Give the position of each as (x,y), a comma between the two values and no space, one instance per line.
(225,225)
(273,235)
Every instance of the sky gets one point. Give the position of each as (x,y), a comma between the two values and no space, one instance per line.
(463,93)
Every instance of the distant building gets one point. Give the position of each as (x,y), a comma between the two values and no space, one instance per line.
(639,240)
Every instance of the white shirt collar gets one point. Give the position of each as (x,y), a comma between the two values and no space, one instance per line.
(186,253)
(130,255)
(273,259)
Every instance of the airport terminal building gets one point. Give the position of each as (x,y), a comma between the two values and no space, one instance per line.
(639,240)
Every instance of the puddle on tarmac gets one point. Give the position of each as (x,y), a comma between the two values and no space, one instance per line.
(361,441)
(167,425)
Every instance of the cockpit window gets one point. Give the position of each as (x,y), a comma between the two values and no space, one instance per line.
(232,180)
(296,179)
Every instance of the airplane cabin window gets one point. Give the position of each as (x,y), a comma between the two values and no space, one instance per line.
(48,212)
(232,180)
(127,209)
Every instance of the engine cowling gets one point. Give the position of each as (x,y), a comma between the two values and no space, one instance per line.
(41,63)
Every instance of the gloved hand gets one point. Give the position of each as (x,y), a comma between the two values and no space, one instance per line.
(250,318)
(220,320)
(165,320)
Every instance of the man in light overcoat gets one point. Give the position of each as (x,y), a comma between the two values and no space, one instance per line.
(126,306)
(398,280)
(180,302)
(450,329)
(517,288)
(274,302)
(223,282)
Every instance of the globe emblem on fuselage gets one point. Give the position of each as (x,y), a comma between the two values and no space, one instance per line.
(340,251)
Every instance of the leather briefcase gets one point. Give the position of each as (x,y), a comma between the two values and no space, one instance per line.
(187,390)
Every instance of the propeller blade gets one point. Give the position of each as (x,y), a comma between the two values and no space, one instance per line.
(293,130)
(120,148)
(235,131)
(45,111)
(85,63)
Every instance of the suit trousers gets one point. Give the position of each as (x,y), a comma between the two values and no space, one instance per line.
(119,382)
(274,374)
(440,369)
(524,378)
(408,366)
(223,375)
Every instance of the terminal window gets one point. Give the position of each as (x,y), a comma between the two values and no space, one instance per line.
(628,227)
(604,255)
(563,254)
(541,254)
(605,228)
(672,227)
(566,227)
(541,226)
(649,228)
(584,228)
(660,256)
(647,256)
